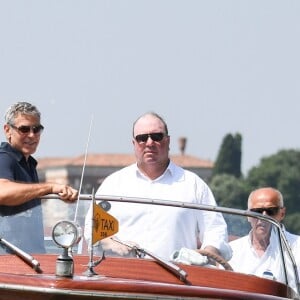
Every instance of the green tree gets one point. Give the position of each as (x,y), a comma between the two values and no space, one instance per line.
(229,156)
(291,221)
(229,191)
(281,171)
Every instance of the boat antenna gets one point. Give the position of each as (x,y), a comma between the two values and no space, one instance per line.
(83,168)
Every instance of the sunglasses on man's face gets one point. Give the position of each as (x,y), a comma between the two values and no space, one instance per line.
(26,129)
(270,211)
(156,137)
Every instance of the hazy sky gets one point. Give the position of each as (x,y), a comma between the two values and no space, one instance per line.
(208,67)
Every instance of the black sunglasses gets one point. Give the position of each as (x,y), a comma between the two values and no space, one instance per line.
(270,211)
(26,129)
(156,137)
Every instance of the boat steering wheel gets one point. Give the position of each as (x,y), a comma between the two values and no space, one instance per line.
(217,258)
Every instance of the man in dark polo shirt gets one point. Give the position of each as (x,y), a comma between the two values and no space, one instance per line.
(21,219)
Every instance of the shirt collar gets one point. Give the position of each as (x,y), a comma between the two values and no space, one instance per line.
(18,154)
(169,170)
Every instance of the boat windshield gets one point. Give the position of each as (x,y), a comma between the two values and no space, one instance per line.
(170,230)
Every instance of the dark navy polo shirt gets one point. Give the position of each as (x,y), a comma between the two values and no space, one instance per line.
(21,225)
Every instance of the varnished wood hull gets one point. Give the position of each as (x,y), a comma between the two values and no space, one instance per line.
(129,278)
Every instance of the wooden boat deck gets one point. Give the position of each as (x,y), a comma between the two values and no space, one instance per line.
(129,278)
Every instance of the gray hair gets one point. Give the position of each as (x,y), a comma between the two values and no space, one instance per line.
(151,113)
(23,108)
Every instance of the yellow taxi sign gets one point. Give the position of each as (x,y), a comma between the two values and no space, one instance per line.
(104,224)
